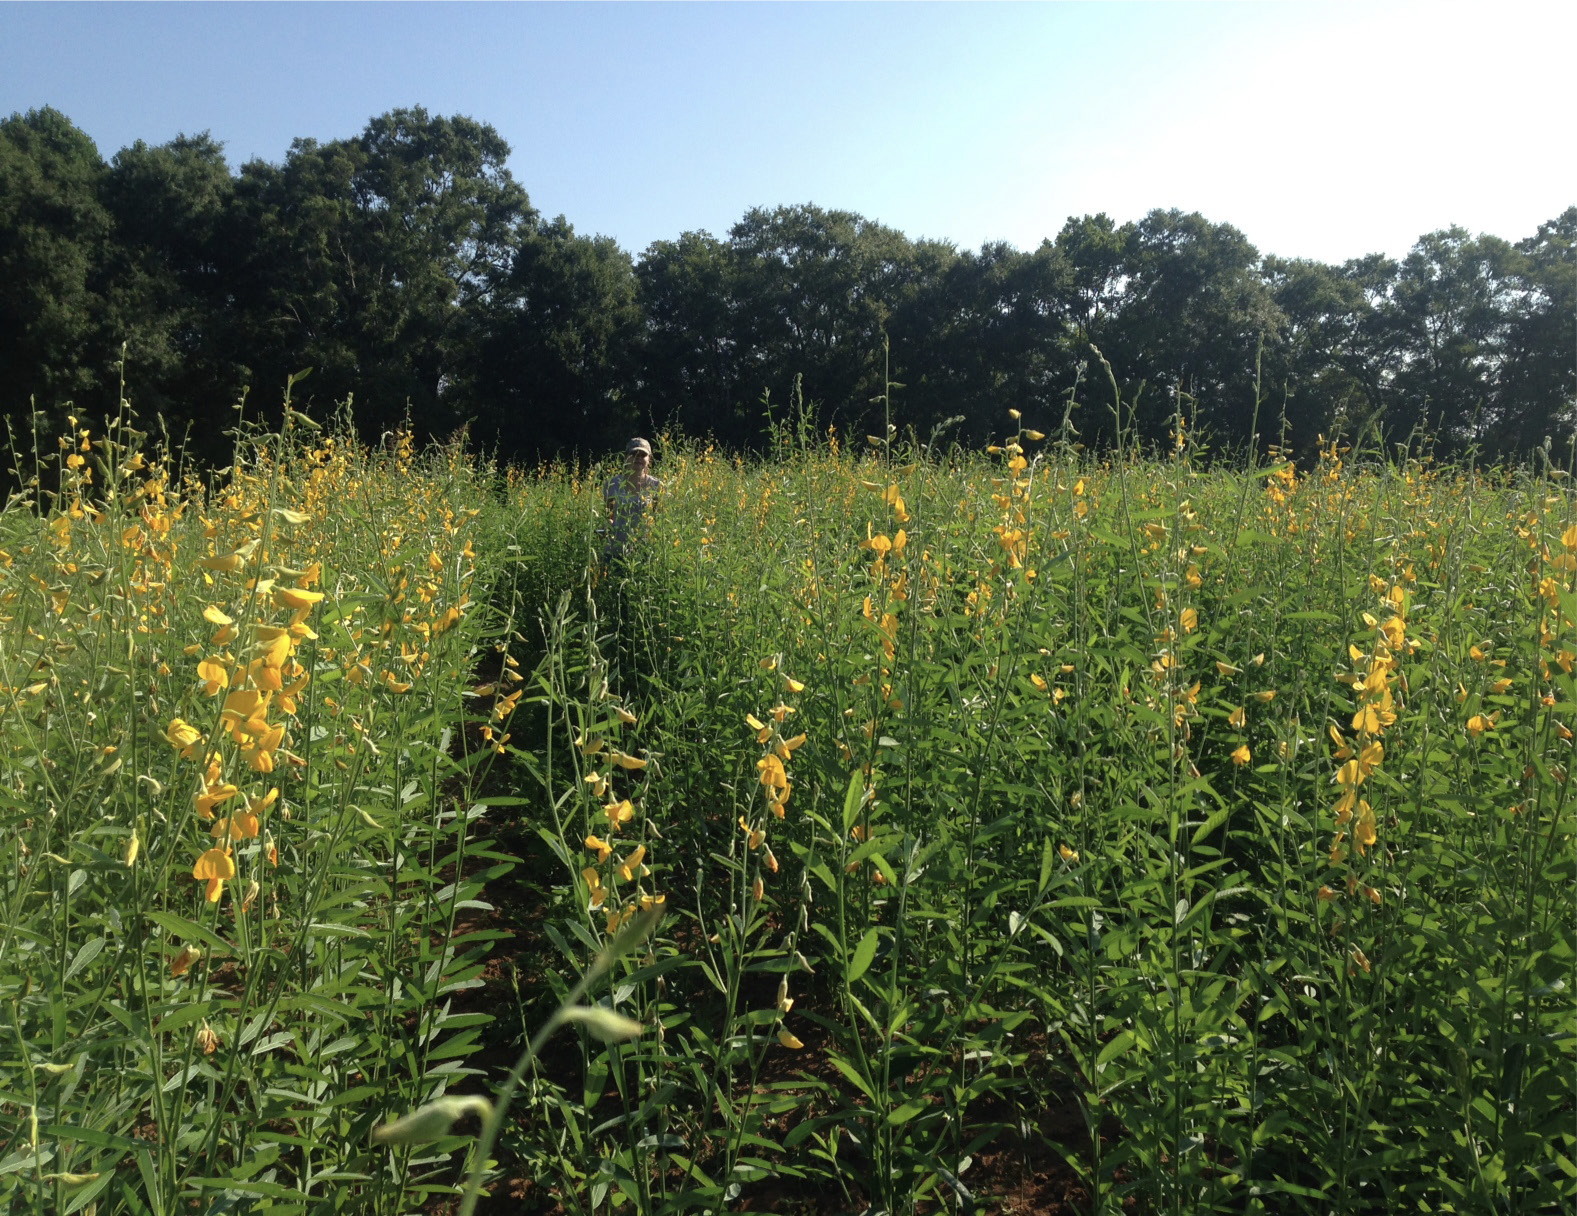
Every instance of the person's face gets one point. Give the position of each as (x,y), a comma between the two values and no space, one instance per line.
(639,462)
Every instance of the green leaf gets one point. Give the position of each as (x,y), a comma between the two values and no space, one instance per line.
(864,953)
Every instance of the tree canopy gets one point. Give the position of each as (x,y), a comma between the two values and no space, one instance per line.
(407,267)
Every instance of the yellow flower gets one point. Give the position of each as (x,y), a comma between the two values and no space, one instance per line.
(240,826)
(753,836)
(594,881)
(773,774)
(788,1040)
(1241,755)
(758,889)
(1189,619)
(631,865)
(1326,895)
(294,598)
(600,846)
(217,868)
(1266,696)
(1237,718)
(619,813)
(184,737)
(793,684)
(632,763)
(1067,854)
(1478,724)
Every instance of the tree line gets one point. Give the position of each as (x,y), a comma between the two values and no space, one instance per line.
(409,270)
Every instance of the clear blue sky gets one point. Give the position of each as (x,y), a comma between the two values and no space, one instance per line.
(1320,130)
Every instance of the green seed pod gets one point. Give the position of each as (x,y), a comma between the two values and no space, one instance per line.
(431,1122)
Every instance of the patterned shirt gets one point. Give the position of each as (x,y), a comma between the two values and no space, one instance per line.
(628,502)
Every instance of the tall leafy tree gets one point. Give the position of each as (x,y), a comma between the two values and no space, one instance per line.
(166,282)
(370,258)
(1537,388)
(54,231)
(549,371)
(1449,309)
(688,358)
(1193,313)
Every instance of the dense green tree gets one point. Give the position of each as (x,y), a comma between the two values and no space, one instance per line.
(1537,384)
(1193,311)
(1448,308)
(688,361)
(165,272)
(53,232)
(549,371)
(814,292)
(369,258)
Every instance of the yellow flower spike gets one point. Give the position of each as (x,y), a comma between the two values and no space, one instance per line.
(215,867)
(1241,755)
(630,866)
(594,881)
(600,847)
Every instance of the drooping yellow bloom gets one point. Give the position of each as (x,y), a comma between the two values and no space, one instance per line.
(594,881)
(1478,724)
(619,813)
(631,865)
(599,846)
(786,1039)
(1237,718)
(214,674)
(184,737)
(773,774)
(294,598)
(1241,755)
(240,826)
(1189,619)
(632,763)
(753,836)
(215,867)
(1067,854)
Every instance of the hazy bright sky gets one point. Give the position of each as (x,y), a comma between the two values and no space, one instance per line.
(1320,130)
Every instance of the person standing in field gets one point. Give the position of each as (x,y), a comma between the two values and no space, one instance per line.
(629,497)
